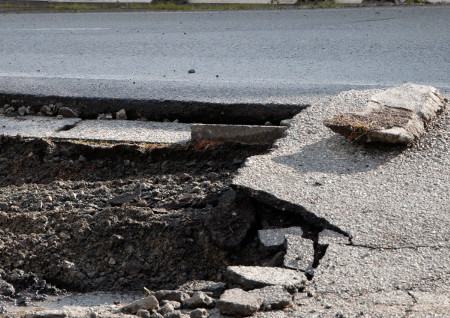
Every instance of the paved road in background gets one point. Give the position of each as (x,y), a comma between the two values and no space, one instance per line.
(238,56)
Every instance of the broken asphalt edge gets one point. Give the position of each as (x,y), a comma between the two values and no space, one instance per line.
(185,111)
(287,208)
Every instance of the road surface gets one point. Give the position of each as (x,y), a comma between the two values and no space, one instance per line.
(238,56)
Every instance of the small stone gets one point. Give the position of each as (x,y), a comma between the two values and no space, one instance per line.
(267,123)
(67,112)
(191,71)
(82,158)
(286,122)
(156,315)
(6,289)
(199,313)
(237,302)
(199,300)
(167,308)
(22,111)
(121,114)
(147,303)
(4,206)
(48,199)
(47,110)
(59,117)
(175,304)
(176,314)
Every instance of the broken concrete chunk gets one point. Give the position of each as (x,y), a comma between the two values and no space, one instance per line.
(237,302)
(327,237)
(273,297)
(275,237)
(199,300)
(399,115)
(299,253)
(251,277)
(147,303)
(175,295)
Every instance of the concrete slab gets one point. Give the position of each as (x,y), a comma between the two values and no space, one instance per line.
(127,130)
(33,126)
(391,197)
(246,134)
(109,130)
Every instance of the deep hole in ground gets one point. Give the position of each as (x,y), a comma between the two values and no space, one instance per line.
(156,110)
(89,216)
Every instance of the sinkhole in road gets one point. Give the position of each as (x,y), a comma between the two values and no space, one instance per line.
(84,216)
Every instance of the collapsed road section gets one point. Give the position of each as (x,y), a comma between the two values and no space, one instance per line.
(319,226)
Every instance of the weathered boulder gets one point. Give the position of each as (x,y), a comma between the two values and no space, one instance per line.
(398,115)
(237,302)
(6,288)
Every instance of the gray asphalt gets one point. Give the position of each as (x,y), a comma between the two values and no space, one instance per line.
(271,56)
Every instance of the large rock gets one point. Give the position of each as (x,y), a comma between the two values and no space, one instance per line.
(237,302)
(251,277)
(398,115)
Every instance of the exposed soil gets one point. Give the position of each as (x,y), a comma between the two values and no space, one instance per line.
(83,217)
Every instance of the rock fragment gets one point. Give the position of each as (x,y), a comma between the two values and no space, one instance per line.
(6,289)
(199,313)
(299,253)
(398,115)
(199,300)
(121,114)
(251,277)
(68,112)
(237,302)
(273,297)
(275,237)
